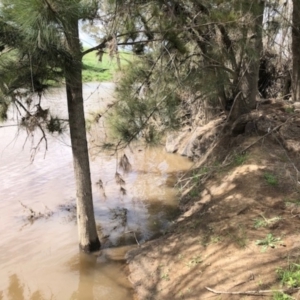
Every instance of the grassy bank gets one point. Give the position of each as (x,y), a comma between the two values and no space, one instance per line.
(95,70)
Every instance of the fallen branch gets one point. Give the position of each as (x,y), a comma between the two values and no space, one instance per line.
(3,126)
(254,293)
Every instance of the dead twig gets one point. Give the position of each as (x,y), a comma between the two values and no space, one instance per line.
(35,149)
(134,237)
(3,126)
(254,293)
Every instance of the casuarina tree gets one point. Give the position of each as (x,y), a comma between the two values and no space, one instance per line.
(39,42)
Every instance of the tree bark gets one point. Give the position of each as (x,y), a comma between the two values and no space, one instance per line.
(246,100)
(296,50)
(88,238)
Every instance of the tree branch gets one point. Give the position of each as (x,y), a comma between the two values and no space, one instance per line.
(99,46)
(253,293)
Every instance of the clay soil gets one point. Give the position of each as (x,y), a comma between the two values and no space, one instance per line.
(229,202)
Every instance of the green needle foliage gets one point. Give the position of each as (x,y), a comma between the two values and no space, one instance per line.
(144,110)
(193,56)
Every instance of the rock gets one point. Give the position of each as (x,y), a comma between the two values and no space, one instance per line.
(292,145)
(296,105)
(250,128)
(264,124)
(194,143)
(290,135)
(174,140)
(240,125)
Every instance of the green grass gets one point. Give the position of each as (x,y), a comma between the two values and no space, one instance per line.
(289,202)
(281,296)
(264,222)
(290,276)
(198,173)
(268,242)
(194,261)
(240,159)
(271,179)
(95,70)
(289,109)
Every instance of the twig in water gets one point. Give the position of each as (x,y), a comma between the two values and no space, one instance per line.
(134,237)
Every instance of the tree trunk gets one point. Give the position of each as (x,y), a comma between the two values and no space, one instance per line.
(296,50)
(88,238)
(248,89)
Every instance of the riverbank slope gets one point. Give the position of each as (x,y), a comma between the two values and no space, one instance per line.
(240,212)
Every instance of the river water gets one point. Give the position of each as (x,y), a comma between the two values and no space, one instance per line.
(39,257)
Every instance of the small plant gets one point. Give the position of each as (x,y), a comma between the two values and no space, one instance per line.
(260,281)
(180,257)
(268,241)
(215,239)
(259,223)
(289,202)
(290,276)
(289,109)
(198,173)
(281,296)
(271,179)
(165,276)
(239,159)
(193,193)
(194,261)
(264,222)
(195,223)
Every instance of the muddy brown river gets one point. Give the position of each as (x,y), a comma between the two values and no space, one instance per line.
(39,257)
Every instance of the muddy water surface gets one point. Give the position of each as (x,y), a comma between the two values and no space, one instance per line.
(39,258)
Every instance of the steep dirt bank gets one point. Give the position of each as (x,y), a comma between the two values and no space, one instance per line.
(243,189)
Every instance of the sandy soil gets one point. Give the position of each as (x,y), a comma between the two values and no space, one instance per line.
(237,199)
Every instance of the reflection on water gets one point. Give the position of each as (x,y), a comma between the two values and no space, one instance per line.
(18,290)
(39,258)
(97,279)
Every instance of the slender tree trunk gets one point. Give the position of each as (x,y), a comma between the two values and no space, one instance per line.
(246,98)
(88,238)
(296,50)
(250,90)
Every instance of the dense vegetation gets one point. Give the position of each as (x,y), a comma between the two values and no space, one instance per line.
(194,59)
(199,58)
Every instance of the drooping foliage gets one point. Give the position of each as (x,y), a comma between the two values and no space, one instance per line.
(41,40)
(204,54)
(31,57)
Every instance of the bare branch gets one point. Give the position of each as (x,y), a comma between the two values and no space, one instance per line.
(253,293)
